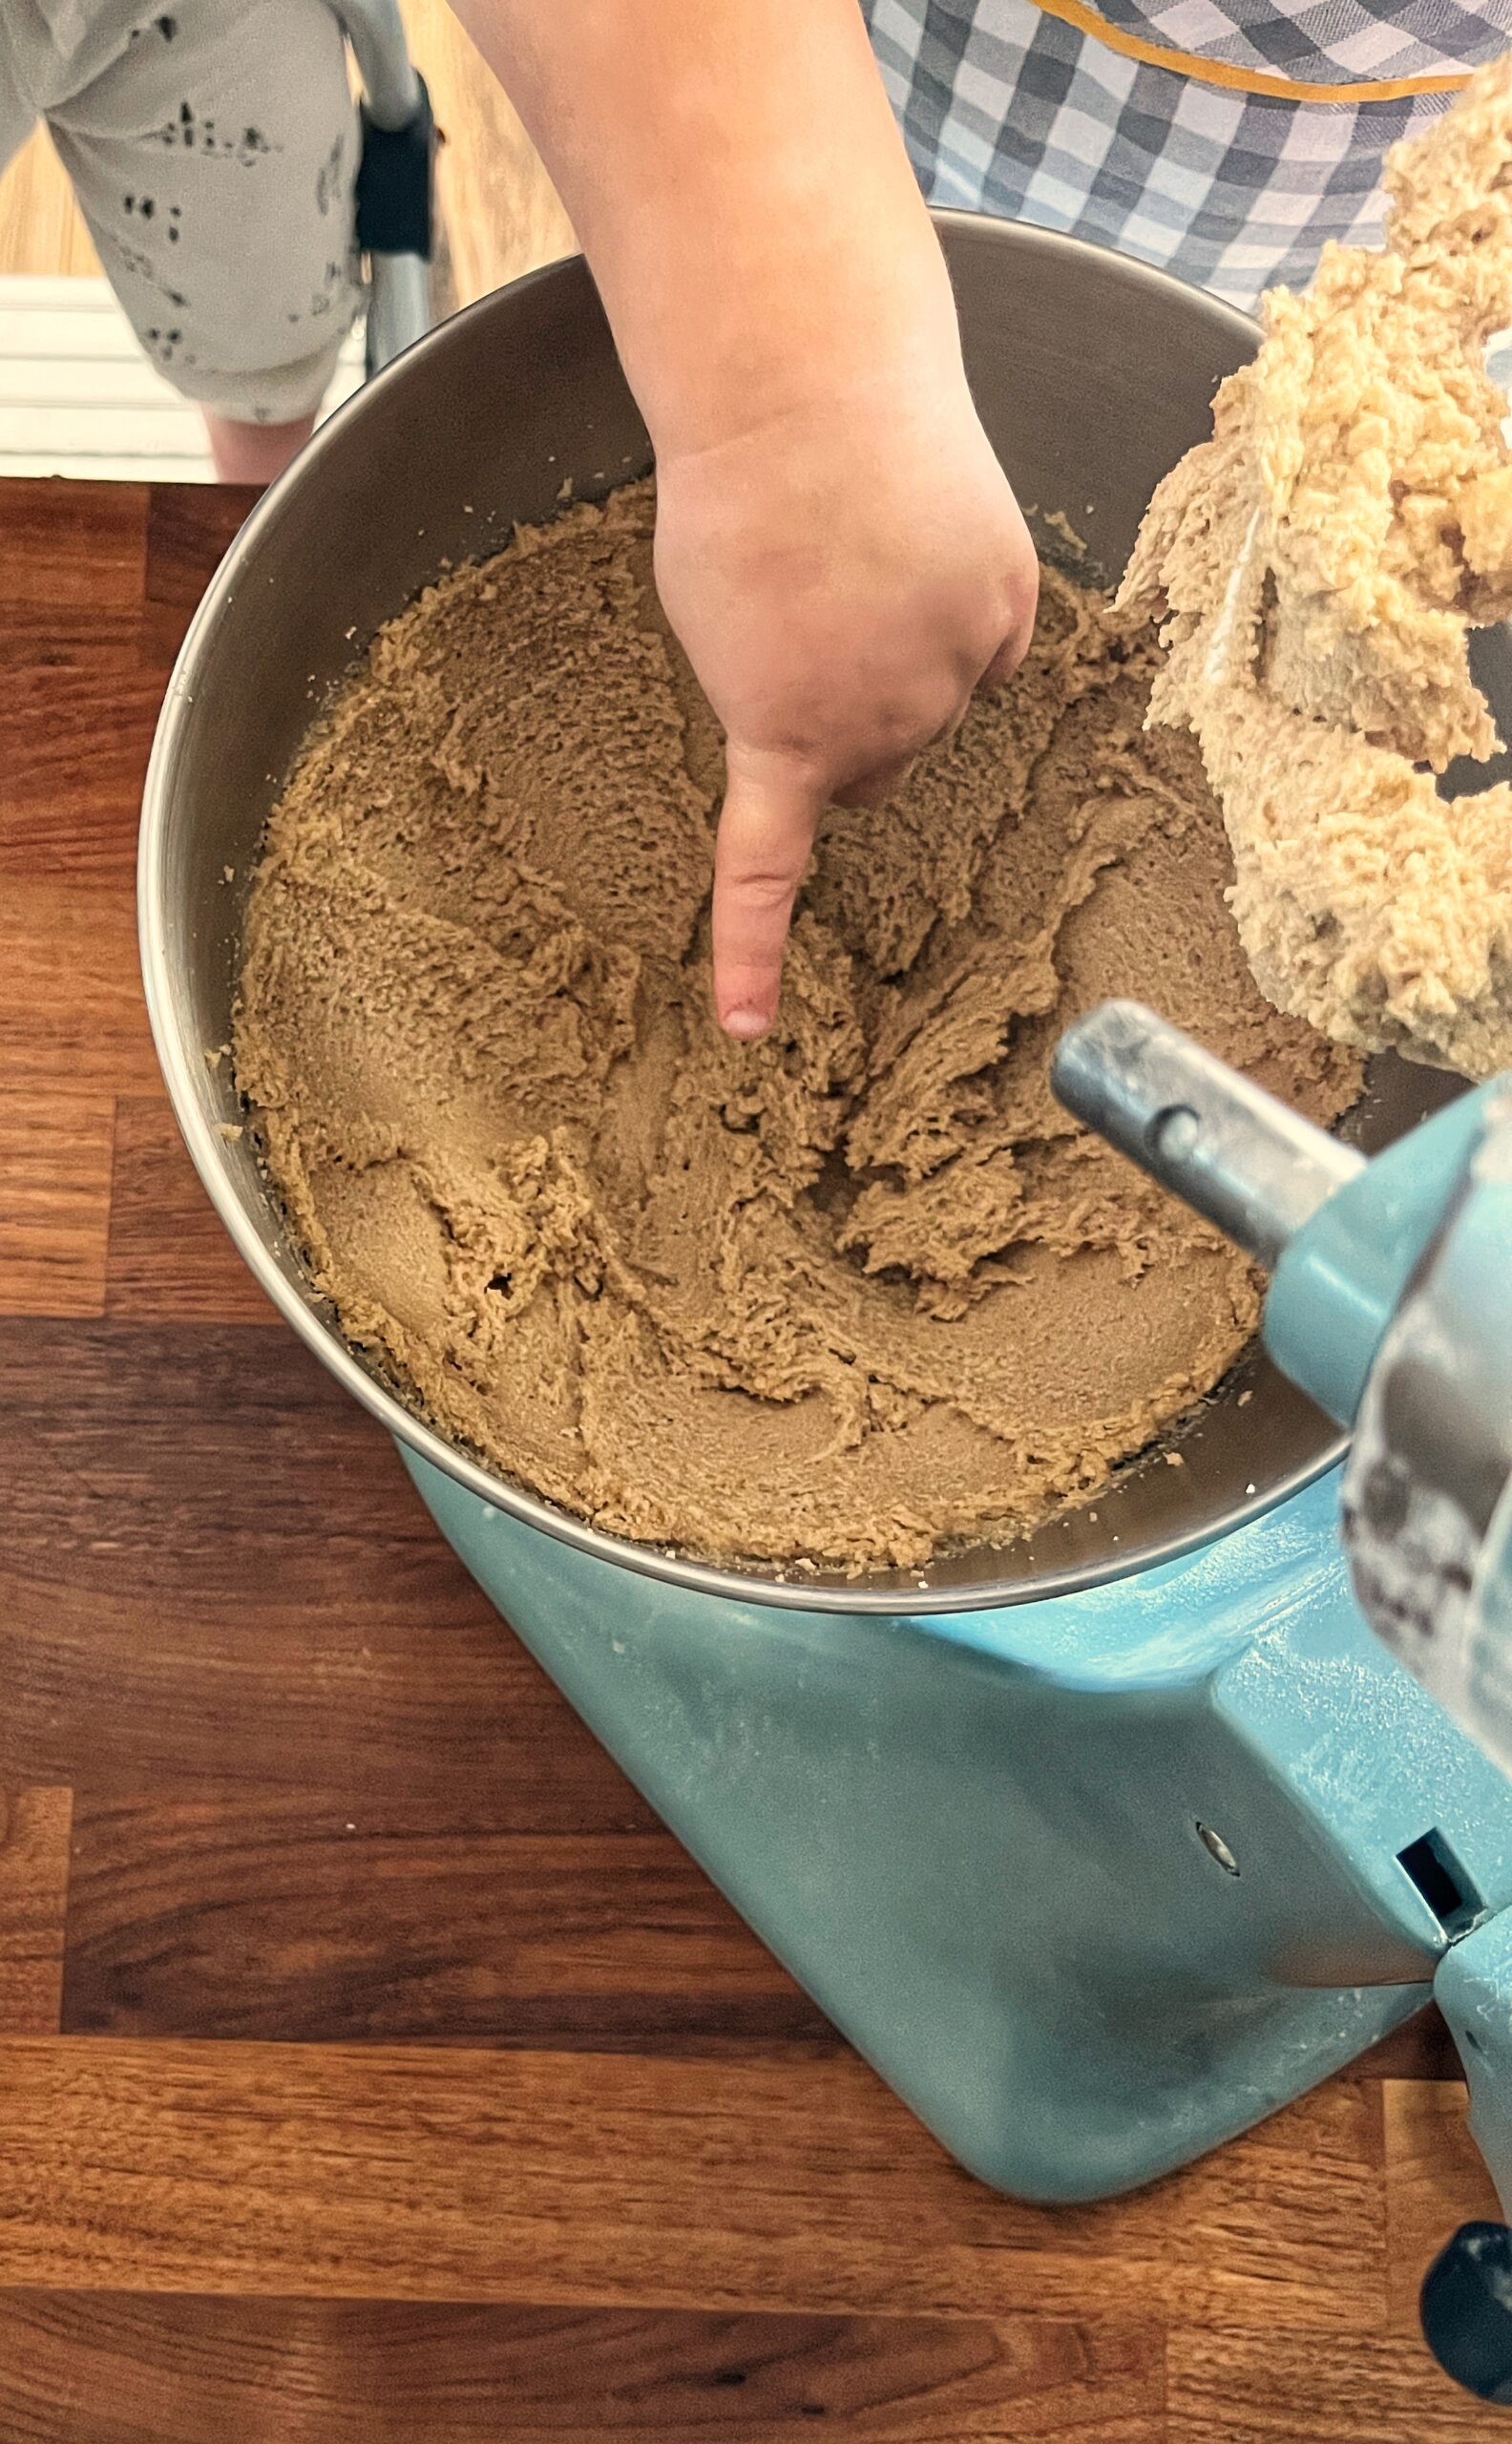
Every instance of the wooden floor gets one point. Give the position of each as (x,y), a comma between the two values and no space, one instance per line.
(372,2065)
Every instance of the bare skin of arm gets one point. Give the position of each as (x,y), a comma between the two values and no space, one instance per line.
(836,546)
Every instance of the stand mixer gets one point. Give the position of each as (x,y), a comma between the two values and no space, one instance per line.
(1390,1305)
(1099,1847)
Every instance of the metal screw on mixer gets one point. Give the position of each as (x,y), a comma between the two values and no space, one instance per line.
(1217,1848)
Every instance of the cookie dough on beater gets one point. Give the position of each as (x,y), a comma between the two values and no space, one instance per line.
(1318,567)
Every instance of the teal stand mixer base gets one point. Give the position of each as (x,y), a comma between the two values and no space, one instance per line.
(1094,1882)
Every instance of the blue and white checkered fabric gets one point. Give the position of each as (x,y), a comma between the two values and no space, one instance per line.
(1007,110)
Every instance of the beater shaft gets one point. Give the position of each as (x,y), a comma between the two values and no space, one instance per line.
(1232,1152)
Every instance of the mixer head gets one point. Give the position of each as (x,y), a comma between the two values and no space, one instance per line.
(1427,1509)
(1407,1289)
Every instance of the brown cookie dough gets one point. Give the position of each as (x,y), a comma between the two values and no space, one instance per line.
(840,1295)
(1319,566)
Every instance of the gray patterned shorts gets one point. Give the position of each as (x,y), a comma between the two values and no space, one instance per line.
(211,146)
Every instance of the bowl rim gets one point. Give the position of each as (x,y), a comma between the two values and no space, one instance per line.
(826,1594)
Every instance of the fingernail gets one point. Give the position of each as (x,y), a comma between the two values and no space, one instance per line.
(747,1024)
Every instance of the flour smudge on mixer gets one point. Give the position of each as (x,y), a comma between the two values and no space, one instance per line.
(841,1296)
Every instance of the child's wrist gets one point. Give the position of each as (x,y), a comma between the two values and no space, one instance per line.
(789,367)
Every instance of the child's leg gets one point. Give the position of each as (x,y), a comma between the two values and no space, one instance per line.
(254,454)
(214,155)
(20,106)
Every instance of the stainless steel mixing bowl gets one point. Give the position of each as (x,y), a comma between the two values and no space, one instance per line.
(1093,375)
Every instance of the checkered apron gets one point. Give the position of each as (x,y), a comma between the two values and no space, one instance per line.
(1222,139)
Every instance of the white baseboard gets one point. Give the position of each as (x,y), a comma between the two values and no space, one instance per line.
(77,397)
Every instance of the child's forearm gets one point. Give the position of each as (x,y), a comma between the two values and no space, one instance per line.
(753,251)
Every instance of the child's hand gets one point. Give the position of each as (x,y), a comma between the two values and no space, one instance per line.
(842,578)
(836,546)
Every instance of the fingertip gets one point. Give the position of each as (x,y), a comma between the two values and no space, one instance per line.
(748,1025)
